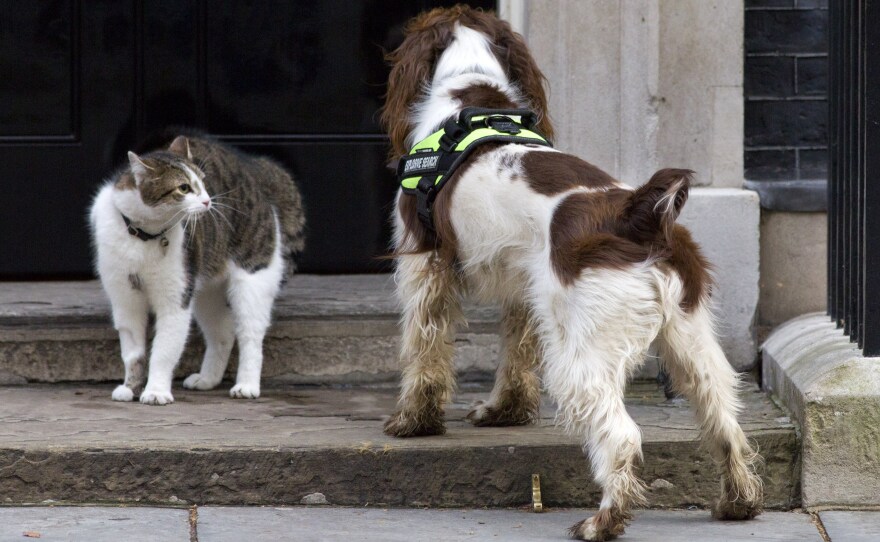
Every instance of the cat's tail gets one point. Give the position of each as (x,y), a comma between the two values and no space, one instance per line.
(291,211)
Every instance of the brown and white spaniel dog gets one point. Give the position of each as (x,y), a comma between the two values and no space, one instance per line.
(588,271)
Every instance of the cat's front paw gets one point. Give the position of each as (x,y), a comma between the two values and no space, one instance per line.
(156,397)
(122,393)
(245,391)
(197,381)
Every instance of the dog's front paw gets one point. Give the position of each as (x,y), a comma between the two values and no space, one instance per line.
(196,381)
(245,391)
(156,397)
(402,425)
(122,393)
(484,414)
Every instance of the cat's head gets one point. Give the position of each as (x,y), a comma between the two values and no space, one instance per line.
(163,185)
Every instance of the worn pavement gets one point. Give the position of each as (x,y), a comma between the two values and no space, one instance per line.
(316,523)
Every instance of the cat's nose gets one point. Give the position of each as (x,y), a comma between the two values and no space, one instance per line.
(207,203)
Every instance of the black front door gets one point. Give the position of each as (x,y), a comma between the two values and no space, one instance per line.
(81,81)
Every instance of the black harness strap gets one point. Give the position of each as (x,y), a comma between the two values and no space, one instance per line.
(434,166)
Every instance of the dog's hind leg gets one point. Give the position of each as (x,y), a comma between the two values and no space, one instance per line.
(590,400)
(614,444)
(516,396)
(594,335)
(700,371)
(431,297)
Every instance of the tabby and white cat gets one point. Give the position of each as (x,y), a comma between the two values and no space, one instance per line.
(200,229)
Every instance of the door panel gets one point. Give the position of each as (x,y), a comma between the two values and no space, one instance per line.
(82,81)
(36,100)
(50,167)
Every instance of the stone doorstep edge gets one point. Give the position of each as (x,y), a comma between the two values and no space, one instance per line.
(833,393)
(468,476)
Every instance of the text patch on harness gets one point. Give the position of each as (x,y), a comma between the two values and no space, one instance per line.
(424,171)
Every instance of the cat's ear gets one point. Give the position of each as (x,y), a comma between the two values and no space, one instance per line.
(180,147)
(138,167)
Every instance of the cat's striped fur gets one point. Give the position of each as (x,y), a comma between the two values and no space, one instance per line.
(226,224)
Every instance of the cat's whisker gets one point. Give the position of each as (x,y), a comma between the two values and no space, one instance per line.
(175,215)
(224,193)
(215,211)
(225,198)
(234,210)
(214,220)
(190,222)
(230,207)
(219,224)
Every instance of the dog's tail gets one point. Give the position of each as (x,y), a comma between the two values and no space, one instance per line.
(654,206)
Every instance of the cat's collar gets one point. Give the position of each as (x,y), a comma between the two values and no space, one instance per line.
(144,236)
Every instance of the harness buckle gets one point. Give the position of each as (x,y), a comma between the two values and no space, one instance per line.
(447,144)
(426,193)
(453,133)
(503,124)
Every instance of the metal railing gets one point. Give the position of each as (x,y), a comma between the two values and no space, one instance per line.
(854,171)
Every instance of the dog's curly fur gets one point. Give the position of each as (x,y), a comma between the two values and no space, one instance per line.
(589,273)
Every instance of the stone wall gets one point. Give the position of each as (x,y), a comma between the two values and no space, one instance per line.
(636,85)
(793,266)
(786,44)
(786,114)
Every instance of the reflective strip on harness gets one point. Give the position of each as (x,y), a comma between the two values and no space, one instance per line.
(424,171)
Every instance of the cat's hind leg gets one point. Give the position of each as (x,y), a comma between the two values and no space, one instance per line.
(251,295)
(130,315)
(214,316)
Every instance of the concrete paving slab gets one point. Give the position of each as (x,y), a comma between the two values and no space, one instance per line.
(851,526)
(331,524)
(95,524)
(72,443)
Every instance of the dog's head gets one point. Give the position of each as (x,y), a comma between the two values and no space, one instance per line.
(441,43)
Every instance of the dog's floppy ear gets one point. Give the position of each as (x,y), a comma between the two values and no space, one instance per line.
(523,70)
(412,68)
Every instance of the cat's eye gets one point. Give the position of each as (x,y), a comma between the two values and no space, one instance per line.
(184,188)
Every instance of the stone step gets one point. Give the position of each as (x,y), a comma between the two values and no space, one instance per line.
(326,329)
(71,443)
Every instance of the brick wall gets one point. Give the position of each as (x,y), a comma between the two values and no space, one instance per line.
(786,110)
